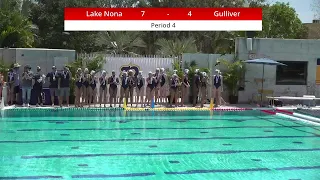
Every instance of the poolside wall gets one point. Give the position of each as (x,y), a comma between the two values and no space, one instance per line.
(279,50)
(45,58)
(276,49)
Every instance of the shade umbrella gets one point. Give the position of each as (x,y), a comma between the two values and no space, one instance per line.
(264,61)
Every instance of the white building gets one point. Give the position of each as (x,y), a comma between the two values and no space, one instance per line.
(298,78)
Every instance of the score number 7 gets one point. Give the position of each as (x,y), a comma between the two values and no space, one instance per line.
(143,13)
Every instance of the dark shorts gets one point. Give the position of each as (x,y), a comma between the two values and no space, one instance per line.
(16,90)
(65,92)
(54,92)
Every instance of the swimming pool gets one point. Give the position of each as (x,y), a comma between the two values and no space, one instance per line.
(101,144)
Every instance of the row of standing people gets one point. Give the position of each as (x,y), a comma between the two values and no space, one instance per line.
(133,88)
(28,81)
(158,87)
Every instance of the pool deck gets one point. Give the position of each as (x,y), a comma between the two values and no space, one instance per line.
(187,107)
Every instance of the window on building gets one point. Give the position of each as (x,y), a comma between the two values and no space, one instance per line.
(295,73)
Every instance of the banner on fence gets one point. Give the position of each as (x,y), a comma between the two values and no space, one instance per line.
(145,64)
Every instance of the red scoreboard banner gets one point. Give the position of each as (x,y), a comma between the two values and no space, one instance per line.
(163,19)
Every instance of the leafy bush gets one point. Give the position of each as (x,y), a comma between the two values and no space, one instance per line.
(232,75)
(95,63)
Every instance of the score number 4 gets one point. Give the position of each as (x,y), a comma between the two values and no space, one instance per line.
(190,14)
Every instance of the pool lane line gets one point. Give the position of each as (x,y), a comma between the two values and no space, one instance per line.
(290,117)
(126,120)
(155,139)
(32,177)
(299,115)
(169,153)
(125,129)
(82,176)
(295,120)
(203,171)
(120,120)
(290,127)
(113,175)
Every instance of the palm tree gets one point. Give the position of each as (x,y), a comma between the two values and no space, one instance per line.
(176,47)
(121,42)
(15,30)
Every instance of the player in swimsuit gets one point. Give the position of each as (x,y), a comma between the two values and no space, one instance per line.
(140,89)
(124,92)
(204,88)
(132,82)
(113,88)
(1,84)
(92,94)
(185,86)
(103,90)
(151,83)
(78,88)
(157,85)
(10,80)
(163,87)
(196,87)
(85,87)
(39,80)
(174,92)
(217,87)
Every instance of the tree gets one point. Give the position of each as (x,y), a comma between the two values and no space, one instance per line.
(49,18)
(176,47)
(15,29)
(315,6)
(281,21)
(233,74)
(119,42)
(10,5)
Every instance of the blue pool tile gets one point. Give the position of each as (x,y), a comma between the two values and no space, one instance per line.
(83,165)
(180,121)
(64,134)
(256,159)
(153,146)
(74,147)
(237,120)
(297,142)
(174,162)
(204,132)
(135,133)
(267,131)
(227,144)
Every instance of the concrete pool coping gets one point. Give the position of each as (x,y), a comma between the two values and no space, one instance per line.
(285,111)
(206,107)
